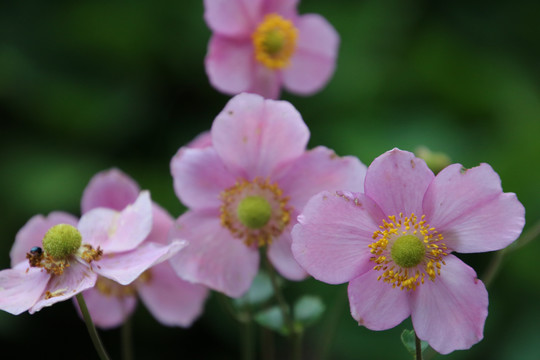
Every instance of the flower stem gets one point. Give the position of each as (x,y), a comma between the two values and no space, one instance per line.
(91,328)
(418,347)
(248,348)
(294,335)
(127,343)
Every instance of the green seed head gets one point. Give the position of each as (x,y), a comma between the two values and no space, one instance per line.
(62,241)
(254,211)
(408,251)
(274,41)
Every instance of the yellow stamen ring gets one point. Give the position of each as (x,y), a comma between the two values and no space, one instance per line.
(406,250)
(274,41)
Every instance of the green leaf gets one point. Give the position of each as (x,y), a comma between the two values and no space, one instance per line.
(408,338)
(308,309)
(272,319)
(260,291)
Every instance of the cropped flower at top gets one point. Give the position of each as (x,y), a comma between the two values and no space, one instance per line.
(244,189)
(258,46)
(394,243)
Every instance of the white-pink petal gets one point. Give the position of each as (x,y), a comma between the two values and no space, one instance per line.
(281,257)
(21,287)
(450,313)
(213,257)
(332,236)
(258,135)
(32,233)
(397,181)
(108,311)
(235,18)
(376,304)
(125,267)
(471,211)
(110,189)
(265,82)
(162,222)
(314,60)
(171,300)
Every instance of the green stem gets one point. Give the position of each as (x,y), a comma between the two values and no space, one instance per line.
(493,267)
(248,345)
(127,343)
(91,328)
(294,335)
(418,347)
(331,323)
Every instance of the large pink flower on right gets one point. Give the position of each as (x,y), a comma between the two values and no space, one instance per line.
(393,245)
(258,46)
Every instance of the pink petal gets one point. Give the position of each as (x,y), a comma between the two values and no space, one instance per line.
(172,301)
(332,236)
(213,257)
(257,135)
(376,304)
(110,189)
(201,141)
(236,18)
(314,60)
(397,181)
(230,64)
(125,267)
(450,313)
(285,8)
(118,231)
(32,233)
(161,224)
(21,287)
(108,311)
(281,256)
(75,279)
(318,170)
(266,82)
(471,211)
(199,177)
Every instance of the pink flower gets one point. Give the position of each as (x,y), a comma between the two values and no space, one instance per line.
(74,253)
(245,190)
(171,300)
(259,45)
(393,245)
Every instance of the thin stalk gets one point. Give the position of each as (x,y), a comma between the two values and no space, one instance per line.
(418,347)
(91,328)
(331,323)
(248,344)
(127,340)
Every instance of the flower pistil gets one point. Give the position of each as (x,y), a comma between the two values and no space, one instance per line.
(274,41)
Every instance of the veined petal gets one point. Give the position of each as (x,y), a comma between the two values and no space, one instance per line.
(75,278)
(332,236)
(376,304)
(32,233)
(213,257)
(450,313)
(199,177)
(255,135)
(125,267)
(235,18)
(317,170)
(280,254)
(397,181)
(110,189)
(162,222)
(118,231)
(314,60)
(230,64)
(172,301)
(471,211)
(108,312)
(21,287)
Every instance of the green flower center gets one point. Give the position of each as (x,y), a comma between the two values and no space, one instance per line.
(254,211)
(273,42)
(408,251)
(62,241)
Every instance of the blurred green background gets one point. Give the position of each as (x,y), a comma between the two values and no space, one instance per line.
(89,85)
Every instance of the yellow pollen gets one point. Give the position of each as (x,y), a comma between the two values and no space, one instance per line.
(279,215)
(274,41)
(411,273)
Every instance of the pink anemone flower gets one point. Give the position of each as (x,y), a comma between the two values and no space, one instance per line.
(245,189)
(394,245)
(171,300)
(56,257)
(258,46)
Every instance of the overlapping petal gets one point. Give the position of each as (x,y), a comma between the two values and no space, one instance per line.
(21,287)
(280,254)
(108,311)
(110,189)
(471,210)
(235,18)
(265,82)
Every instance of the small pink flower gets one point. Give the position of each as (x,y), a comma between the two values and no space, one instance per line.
(172,301)
(107,244)
(245,190)
(393,245)
(258,46)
